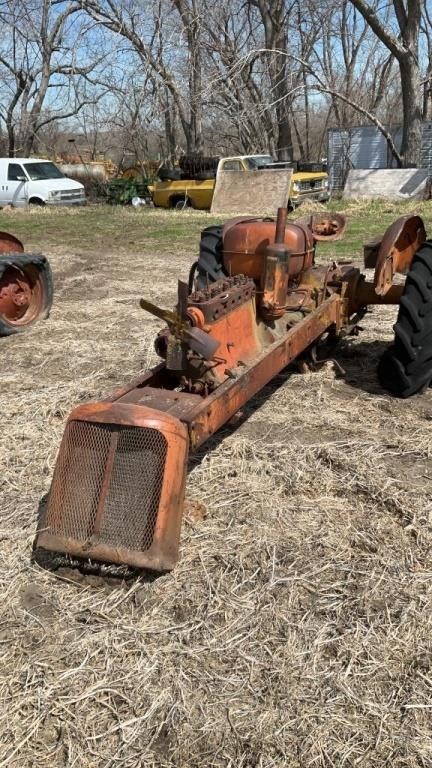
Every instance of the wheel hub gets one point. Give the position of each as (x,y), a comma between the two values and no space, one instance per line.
(15,295)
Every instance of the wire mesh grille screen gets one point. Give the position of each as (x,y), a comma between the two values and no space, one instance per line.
(107,484)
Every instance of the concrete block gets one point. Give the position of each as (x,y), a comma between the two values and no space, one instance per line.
(255,193)
(393,183)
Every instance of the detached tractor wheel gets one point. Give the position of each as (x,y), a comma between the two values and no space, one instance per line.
(406,367)
(26,292)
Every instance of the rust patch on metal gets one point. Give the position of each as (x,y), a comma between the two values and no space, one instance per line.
(21,294)
(398,246)
(245,246)
(325,226)
(10,244)
(221,297)
(231,396)
(118,488)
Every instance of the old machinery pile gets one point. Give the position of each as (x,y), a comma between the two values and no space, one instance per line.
(256,300)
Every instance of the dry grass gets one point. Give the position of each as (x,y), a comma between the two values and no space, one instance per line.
(296,629)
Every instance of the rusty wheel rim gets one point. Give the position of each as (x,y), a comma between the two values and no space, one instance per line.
(21,295)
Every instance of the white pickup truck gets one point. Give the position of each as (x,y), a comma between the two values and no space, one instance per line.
(27,180)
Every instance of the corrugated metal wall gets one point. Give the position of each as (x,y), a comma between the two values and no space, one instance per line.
(338,143)
(364,147)
(427,147)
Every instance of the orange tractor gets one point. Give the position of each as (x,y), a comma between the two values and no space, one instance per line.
(255,301)
(26,286)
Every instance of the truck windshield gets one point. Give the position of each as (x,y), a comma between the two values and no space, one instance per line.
(42,171)
(259,161)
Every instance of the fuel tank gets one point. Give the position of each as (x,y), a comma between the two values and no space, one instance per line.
(245,242)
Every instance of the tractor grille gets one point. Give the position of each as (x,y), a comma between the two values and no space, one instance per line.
(107,485)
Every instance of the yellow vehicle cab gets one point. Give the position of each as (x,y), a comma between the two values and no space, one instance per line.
(198,193)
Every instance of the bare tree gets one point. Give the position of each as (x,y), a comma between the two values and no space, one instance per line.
(233,76)
(405,48)
(353,64)
(258,85)
(274,16)
(190,14)
(426,28)
(236,95)
(38,58)
(140,24)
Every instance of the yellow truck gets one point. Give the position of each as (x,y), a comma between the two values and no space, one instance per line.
(197,192)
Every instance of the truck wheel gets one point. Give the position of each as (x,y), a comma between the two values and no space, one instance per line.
(180,203)
(406,366)
(36,201)
(26,292)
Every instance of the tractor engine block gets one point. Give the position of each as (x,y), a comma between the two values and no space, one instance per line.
(226,311)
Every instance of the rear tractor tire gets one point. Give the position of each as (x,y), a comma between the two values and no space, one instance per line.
(406,366)
(210,266)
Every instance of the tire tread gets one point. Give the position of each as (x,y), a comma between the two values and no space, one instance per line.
(406,366)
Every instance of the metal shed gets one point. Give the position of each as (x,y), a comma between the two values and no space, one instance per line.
(364,147)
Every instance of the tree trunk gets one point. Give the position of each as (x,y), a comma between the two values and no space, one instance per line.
(190,16)
(11,139)
(170,130)
(405,48)
(412,109)
(275,34)
(284,148)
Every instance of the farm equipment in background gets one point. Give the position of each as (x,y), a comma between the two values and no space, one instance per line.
(82,168)
(255,302)
(124,191)
(26,286)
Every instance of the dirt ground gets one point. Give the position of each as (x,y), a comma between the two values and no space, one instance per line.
(296,629)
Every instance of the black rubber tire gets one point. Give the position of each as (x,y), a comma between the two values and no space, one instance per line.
(45,280)
(204,175)
(210,265)
(191,165)
(310,167)
(169,174)
(406,366)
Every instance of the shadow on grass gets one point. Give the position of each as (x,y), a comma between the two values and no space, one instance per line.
(360,362)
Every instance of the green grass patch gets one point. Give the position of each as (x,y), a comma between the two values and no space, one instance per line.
(126,229)
(368,219)
(96,227)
